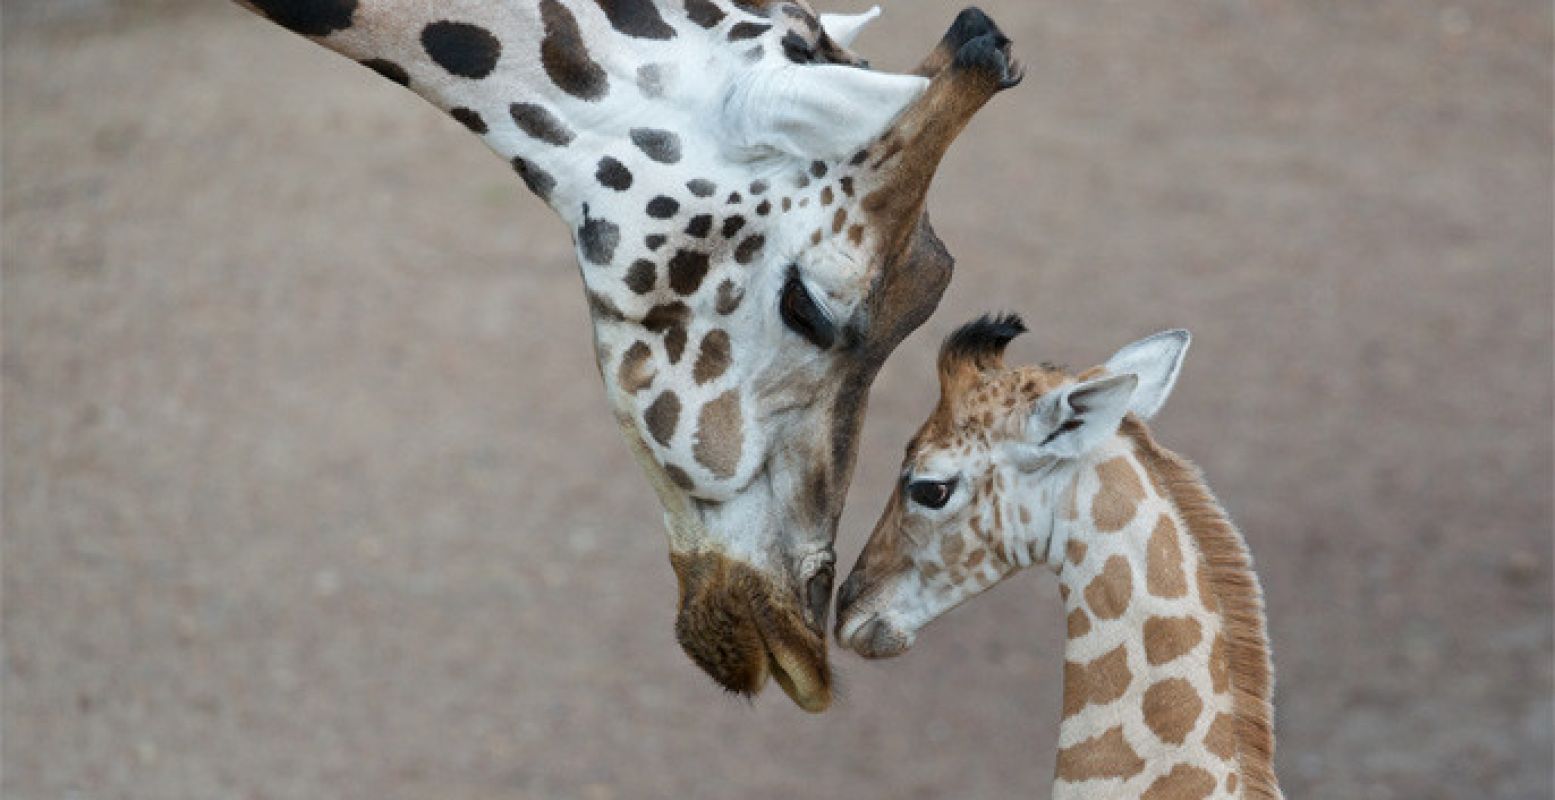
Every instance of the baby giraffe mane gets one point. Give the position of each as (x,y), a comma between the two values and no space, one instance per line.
(1231,580)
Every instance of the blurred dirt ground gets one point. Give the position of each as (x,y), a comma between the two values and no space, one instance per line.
(310,489)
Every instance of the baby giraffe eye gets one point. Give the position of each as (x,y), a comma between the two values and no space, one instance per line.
(931,494)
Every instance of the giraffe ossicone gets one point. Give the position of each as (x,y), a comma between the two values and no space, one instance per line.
(747,203)
(1167,673)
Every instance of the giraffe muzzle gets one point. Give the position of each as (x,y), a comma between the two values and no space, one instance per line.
(862,627)
(871,636)
(742,626)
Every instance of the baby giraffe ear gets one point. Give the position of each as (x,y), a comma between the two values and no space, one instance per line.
(1072,421)
(844,28)
(1156,360)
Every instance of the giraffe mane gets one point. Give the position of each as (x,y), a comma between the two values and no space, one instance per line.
(1236,587)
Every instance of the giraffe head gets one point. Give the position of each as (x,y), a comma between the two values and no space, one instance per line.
(987,485)
(740,338)
(747,202)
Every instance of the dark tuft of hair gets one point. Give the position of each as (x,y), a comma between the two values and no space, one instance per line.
(982,341)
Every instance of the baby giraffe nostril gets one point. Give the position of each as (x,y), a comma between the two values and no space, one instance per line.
(818,596)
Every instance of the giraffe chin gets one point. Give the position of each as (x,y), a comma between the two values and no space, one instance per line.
(741,627)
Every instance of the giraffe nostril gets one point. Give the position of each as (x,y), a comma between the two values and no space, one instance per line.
(849,592)
(818,596)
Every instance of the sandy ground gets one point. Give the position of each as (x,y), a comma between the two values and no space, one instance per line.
(310,490)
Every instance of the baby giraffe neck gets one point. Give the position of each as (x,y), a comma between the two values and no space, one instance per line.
(1150,707)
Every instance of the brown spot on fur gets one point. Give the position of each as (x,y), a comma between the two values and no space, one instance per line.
(1118,497)
(1163,571)
(1025,516)
(565,56)
(704,12)
(1219,669)
(838,220)
(1074,550)
(856,234)
(1220,739)
(976,558)
(662,417)
(539,122)
(1106,756)
(674,344)
(827,195)
(719,435)
(1231,783)
(1079,623)
(1108,593)
(950,549)
(747,250)
(670,320)
(1170,638)
(728,298)
(1063,592)
(1171,707)
(1184,782)
(635,373)
(687,268)
(641,277)
(713,358)
(679,477)
(1236,591)
(1100,681)
(665,316)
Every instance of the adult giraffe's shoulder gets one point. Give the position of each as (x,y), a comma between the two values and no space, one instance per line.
(747,203)
(1167,669)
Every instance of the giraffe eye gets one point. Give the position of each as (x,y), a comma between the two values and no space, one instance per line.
(931,494)
(803,316)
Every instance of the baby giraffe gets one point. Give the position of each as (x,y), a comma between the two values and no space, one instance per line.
(1167,675)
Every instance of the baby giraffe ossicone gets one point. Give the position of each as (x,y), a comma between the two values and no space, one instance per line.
(1167,673)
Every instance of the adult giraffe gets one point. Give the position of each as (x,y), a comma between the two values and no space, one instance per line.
(747,201)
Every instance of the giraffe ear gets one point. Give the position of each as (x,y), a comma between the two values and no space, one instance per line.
(844,28)
(1157,360)
(1072,421)
(824,111)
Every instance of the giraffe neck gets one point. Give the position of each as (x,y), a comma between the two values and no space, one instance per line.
(552,85)
(587,99)
(1149,708)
